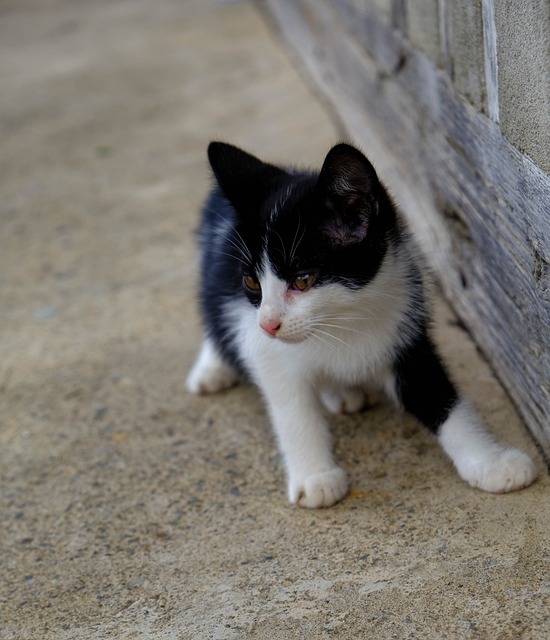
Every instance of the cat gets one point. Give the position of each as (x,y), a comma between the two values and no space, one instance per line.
(312,288)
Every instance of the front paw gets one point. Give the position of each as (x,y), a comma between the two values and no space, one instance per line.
(321,489)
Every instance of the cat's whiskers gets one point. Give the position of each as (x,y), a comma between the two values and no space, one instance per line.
(357,324)
(343,328)
(243,261)
(238,243)
(345,318)
(320,341)
(241,244)
(295,245)
(318,331)
(283,248)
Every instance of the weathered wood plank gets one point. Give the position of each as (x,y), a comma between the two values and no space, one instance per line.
(481,209)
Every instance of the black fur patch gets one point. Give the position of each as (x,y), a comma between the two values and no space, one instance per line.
(422,385)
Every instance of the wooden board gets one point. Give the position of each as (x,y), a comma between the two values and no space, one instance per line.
(481,209)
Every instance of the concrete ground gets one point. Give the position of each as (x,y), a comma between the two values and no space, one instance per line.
(130,509)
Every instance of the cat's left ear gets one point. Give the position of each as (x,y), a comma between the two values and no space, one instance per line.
(349,189)
(245,180)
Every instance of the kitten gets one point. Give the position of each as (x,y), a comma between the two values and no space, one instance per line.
(312,288)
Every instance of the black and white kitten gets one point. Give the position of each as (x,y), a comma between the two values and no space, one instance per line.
(311,287)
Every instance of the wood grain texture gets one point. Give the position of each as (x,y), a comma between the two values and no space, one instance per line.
(480,208)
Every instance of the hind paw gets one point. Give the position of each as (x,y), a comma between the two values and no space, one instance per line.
(504,471)
(343,400)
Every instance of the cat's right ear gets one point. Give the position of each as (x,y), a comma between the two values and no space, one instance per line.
(245,180)
(349,190)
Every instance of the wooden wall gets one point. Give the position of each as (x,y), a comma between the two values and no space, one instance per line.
(451,101)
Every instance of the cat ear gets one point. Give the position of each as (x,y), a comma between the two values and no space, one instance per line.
(349,188)
(245,180)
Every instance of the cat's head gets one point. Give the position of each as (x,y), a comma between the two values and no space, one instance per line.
(310,242)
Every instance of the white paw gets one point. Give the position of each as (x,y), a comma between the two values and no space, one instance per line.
(503,471)
(210,373)
(479,459)
(210,380)
(319,489)
(344,400)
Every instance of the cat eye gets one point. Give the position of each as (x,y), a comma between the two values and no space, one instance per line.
(251,283)
(303,282)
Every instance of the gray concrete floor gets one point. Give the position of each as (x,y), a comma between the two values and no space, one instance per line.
(131,510)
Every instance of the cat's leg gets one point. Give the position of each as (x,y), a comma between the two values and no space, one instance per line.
(479,458)
(314,479)
(422,387)
(210,373)
(342,399)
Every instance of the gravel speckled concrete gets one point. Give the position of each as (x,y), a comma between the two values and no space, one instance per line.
(129,509)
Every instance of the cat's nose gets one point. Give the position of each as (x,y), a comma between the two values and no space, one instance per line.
(271,326)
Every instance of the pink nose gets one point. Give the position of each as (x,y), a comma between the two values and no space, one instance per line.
(271,326)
